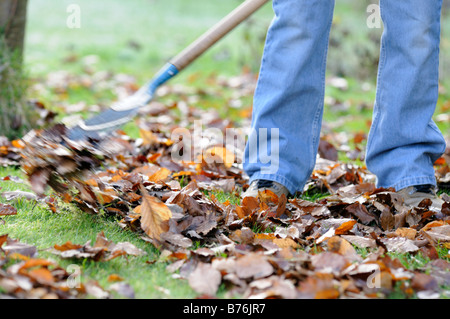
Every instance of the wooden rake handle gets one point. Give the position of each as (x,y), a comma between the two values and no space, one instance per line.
(217,32)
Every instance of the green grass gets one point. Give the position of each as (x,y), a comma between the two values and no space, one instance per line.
(411,262)
(35,224)
(136,37)
(222,197)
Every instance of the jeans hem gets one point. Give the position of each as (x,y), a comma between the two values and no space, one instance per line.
(421,180)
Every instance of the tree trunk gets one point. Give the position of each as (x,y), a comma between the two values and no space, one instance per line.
(13,14)
(16,115)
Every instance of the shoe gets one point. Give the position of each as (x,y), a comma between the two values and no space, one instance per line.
(413,195)
(260,185)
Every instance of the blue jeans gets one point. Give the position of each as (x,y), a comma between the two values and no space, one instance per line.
(403,141)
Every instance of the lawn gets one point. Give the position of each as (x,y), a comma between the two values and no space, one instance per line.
(135,39)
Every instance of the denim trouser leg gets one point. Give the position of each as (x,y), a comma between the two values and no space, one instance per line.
(288,101)
(404,142)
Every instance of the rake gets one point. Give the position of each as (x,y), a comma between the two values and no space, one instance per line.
(123,111)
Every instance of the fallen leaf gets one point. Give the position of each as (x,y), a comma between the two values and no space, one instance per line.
(360,241)
(114,277)
(423,282)
(409,233)
(148,138)
(345,227)
(219,155)
(387,220)
(205,279)
(160,176)
(18,194)
(123,289)
(15,247)
(360,211)
(400,245)
(176,239)
(67,246)
(329,262)
(438,234)
(155,216)
(285,242)
(30,263)
(3,239)
(42,275)
(253,266)
(7,210)
(341,246)
(125,248)
(318,288)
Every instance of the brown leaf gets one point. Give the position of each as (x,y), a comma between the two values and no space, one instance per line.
(318,288)
(435,223)
(42,275)
(387,220)
(207,225)
(342,247)
(176,239)
(253,266)
(148,138)
(125,248)
(39,180)
(423,282)
(273,287)
(3,239)
(67,246)
(345,227)
(219,155)
(205,279)
(114,277)
(438,234)
(103,249)
(243,236)
(6,210)
(329,262)
(160,176)
(30,263)
(406,232)
(242,211)
(400,245)
(250,202)
(102,242)
(360,211)
(155,216)
(308,207)
(430,252)
(267,196)
(285,242)
(327,150)
(16,247)
(281,208)
(360,241)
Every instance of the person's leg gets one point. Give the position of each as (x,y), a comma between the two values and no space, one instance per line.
(288,101)
(404,142)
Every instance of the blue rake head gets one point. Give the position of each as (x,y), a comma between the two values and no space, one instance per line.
(121,112)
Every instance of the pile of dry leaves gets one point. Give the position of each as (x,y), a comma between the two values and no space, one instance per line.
(24,275)
(265,247)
